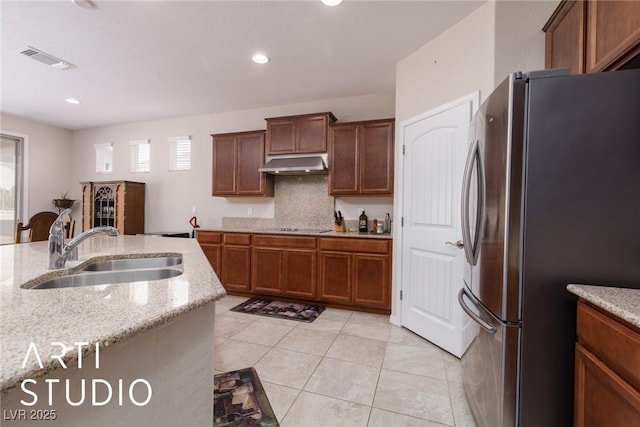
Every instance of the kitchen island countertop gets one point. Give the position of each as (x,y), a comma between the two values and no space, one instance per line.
(104,314)
(621,302)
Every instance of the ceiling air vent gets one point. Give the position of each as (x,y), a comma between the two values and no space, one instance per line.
(45,58)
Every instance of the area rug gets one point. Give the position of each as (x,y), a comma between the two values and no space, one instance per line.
(279,309)
(239,400)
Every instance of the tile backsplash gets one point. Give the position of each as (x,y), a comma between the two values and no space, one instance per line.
(302,201)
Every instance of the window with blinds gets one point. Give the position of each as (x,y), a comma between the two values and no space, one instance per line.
(140,155)
(180,153)
(104,157)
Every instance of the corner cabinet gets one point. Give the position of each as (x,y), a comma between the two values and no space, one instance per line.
(306,133)
(607,372)
(119,204)
(211,244)
(236,159)
(592,36)
(361,158)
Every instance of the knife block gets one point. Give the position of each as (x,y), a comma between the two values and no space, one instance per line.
(340,227)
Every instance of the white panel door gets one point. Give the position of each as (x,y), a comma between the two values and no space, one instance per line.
(435,152)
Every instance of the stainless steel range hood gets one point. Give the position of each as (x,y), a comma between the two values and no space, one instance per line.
(295,165)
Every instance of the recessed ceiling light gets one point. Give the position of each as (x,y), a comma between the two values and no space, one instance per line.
(85,4)
(72,101)
(332,2)
(260,58)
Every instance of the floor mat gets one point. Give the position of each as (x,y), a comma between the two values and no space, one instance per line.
(279,309)
(239,400)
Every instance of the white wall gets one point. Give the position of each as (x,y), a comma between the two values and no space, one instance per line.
(48,163)
(170,196)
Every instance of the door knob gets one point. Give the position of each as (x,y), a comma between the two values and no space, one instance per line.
(457,244)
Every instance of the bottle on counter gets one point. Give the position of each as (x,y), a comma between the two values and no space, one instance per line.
(387,224)
(362,223)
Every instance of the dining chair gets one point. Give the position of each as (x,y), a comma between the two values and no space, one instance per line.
(38,226)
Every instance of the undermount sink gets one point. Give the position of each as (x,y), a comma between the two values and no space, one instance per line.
(121,270)
(134,263)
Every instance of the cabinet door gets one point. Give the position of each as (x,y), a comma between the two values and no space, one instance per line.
(371,280)
(281,136)
(224,165)
(564,37)
(311,134)
(87,206)
(335,274)
(375,142)
(212,252)
(612,31)
(299,278)
(266,270)
(343,160)
(236,267)
(602,398)
(250,158)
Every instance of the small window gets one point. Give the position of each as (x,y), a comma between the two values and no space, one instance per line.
(104,157)
(140,155)
(180,153)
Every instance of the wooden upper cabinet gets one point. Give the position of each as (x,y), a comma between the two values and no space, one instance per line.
(564,37)
(236,159)
(613,33)
(599,35)
(361,158)
(300,134)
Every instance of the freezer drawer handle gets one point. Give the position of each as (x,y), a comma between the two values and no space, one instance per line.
(482,322)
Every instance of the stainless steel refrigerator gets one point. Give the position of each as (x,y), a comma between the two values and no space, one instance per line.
(551,196)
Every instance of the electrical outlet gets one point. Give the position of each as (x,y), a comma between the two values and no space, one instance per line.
(249,211)
(194,210)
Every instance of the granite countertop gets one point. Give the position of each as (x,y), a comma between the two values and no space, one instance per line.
(301,232)
(621,302)
(103,314)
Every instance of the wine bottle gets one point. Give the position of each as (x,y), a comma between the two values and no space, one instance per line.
(362,223)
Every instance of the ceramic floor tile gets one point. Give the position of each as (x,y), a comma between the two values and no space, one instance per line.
(312,410)
(380,418)
(414,395)
(367,328)
(232,355)
(453,367)
(227,326)
(308,341)
(426,361)
(280,397)
(344,380)
(288,368)
(328,321)
(357,350)
(461,410)
(223,305)
(399,335)
(263,333)
(369,317)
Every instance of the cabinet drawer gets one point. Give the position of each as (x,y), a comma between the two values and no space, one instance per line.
(237,239)
(273,241)
(209,237)
(613,342)
(355,245)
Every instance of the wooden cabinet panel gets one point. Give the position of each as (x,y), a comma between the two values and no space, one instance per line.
(120,204)
(306,133)
(381,246)
(209,237)
(284,241)
(361,158)
(236,159)
(343,160)
(236,267)
(602,398)
(371,280)
(224,165)
(299,278)
(376,157)
(335,277)
(266,270)
(213,254)
(237,239)
(613,28)
(564,37)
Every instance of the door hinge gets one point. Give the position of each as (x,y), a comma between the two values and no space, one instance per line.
(403,148)
(401,221)
(400,295)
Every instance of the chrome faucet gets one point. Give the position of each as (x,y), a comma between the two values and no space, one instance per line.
(59,253)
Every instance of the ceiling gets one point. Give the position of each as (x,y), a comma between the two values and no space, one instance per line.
(146,60)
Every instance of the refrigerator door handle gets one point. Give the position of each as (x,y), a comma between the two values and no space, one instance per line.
(478,318)
(466,189)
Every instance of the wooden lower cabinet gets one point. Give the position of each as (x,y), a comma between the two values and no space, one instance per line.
(335,277)
(236,267)
(211,244)
(266,270)
(607,371)
(371,283)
